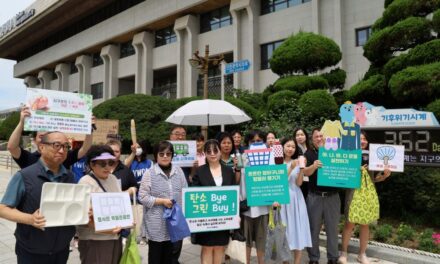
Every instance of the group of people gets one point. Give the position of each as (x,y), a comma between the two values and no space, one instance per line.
(157,184)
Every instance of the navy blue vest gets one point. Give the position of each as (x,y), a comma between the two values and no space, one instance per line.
(33,240)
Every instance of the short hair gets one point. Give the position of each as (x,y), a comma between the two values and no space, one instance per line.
(45,137)
(174,127)
(97,150)
(222,136)
(287,139)
(161,146)
(114,142)
(255,132)
(198,137)
(236,132)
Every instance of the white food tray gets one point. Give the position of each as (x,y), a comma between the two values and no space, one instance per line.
(65,204)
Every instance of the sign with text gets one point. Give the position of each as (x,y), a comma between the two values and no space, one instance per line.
(185,152)
(58,111)
(111,210)
(104,129)
(211,208)
(340,168)
(267,184)
(382,156)
(237,66)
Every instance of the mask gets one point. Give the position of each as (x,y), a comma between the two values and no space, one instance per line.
(138,151)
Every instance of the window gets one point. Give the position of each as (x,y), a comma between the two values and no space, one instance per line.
(73,68)
(215,19)
(165,36)
(97,90)
(270,6)
(362,35)
(97,60)
(165,83)
(126,49)
(266,53)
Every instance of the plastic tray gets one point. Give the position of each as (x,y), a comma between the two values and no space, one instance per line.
(64,204)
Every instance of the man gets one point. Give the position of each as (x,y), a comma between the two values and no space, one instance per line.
(25,158)
(321,202)
(21,202)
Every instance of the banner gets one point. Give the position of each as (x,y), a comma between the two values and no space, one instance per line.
(267,184)
(58,111)
(382,156)
(185,152)
(211,208)
(340,168)
(111,210)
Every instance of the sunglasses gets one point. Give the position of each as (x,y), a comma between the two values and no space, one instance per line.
(165,154)
(104,163)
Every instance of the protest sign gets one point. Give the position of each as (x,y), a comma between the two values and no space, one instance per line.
(111,210)
(58,111)
(185,152)
(390,156)
(105,128)
(267,184)
(341,168)
(211,208)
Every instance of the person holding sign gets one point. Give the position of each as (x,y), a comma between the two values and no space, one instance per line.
(105,247)
(213,173)
(364,233)
(161,184)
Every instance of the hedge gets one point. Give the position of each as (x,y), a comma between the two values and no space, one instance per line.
(318,105)
(335,78)
(436,21)
(416,85)
(305,53)
(301,83)
(371,90)
(399,37)
(435,108)
(281,100)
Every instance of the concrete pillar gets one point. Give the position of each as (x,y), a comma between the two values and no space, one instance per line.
(187,30)
(110,56)
(45,77)
(315,16)
(237,42)
(62,71)
(84,65)
(143,44)
(30,81)
(337,13)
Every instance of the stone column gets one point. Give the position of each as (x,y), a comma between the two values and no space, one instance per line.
(45,77)
(315,16)
(62,71)
(30,81)
(110,56)
(84,65)
(143,44)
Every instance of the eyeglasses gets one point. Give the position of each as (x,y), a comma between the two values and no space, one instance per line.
(104,163)
(212,151)
(178,134)
(165,154)
(57,145)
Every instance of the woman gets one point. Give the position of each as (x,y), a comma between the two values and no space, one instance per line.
(237,137)
(226,146)
(294,215)
(270,139)
(160,185)
(364,233)
(302,141)
(213,173)
(100,247)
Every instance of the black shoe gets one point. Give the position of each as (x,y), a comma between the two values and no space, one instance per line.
(236,235)
(332,262)
(313,262)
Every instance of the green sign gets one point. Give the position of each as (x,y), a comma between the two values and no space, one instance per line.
(340,168)
(211,208)
(267,184)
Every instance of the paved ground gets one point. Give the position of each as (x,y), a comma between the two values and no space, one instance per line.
(190,253)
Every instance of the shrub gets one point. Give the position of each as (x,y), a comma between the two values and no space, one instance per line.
(301,84)
(387,3)
(247,108)
(416,85)
(371,90)
(280,101)
(305,53)
(435,108)
(318,105)
(8,125)
(383,232)
(436,21)
(335,78)
(254,99)
(426,241)
(405,232)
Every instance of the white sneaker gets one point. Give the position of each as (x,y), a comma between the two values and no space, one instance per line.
(363,259)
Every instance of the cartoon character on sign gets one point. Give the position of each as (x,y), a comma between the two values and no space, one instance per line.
(386,153)
(350,138)
(359,113)
(40,103)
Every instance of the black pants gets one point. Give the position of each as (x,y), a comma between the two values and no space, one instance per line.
(177,249)
(25,257)
(159,252)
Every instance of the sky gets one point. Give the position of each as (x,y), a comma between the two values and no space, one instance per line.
(12,91)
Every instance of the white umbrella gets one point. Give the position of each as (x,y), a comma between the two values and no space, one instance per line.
(208,112)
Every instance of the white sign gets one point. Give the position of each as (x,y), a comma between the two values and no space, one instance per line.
(185,152)
(382,156)
(111,210)
(58,111)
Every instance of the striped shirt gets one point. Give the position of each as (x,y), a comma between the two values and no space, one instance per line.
(156,184)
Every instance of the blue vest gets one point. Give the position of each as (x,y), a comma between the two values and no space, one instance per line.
(52,239)
(139,169)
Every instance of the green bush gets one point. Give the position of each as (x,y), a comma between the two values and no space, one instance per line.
(387,3)
(383,232)
(436,21)
(254,99)
(279,101)
(428,52)
(416,85)
(335,78)
(247,108)
(318,105)
(435,108)
(371,90)
(301,84)
(399,37)
(305,53)
(405,232)
(341,97)
(426,241)
(8,125)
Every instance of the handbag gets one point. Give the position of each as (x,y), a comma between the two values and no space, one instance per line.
(236,249)
(364,207)
(243,206)
(131,251)
(277,247)
(177,226)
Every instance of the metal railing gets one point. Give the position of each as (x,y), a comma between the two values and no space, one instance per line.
(7,162)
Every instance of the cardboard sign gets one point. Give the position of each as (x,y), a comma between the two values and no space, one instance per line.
(211,208)
(185,152)
(341,168)
(390,156)
(267,184)
(58,111)
(111,210)
(104,127)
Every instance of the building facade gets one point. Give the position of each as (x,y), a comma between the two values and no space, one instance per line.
(112,48)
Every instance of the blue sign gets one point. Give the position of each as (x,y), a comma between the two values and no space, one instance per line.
(237,66)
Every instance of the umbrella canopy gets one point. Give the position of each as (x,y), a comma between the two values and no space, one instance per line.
(208,112)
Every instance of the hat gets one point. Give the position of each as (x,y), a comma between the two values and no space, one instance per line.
(104,156)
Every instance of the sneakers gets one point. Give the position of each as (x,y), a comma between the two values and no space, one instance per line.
(363,259)
(343,258)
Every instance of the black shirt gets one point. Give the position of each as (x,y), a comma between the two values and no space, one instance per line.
(312,155)
(28,158)
(126,176)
